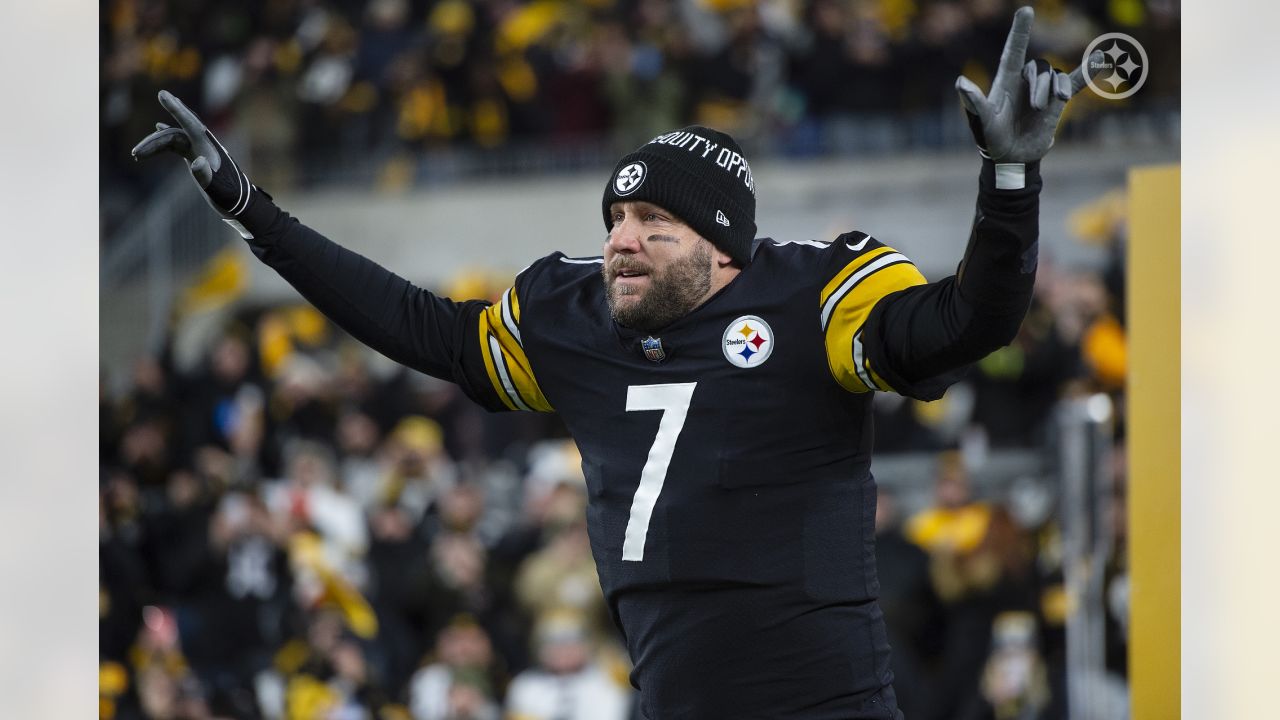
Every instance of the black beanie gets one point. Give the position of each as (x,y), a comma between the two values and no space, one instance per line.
(700,175)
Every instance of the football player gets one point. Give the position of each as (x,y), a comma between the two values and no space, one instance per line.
(718,386)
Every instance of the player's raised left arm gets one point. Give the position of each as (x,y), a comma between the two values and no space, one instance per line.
(916,336)
(468,343)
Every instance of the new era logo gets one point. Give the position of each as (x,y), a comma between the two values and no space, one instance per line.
(720,218)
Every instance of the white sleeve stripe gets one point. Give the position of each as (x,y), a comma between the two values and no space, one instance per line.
(243,202)
(878,264)
(863,373)
(500,362)
(509,318)
(242,181)
(590,261)
(810,243)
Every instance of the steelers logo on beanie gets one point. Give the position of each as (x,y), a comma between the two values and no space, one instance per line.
(700,175)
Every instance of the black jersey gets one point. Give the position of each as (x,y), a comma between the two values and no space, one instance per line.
(731,507)
(727,457)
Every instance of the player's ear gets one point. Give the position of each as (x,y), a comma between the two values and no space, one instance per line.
(721,258)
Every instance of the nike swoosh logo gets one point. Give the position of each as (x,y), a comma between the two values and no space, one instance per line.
(859,246)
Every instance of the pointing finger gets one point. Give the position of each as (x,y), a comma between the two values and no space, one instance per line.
(182,114)
(1015,46)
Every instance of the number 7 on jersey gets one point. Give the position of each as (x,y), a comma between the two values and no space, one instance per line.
(673,400)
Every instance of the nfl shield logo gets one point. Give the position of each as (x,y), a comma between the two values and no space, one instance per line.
(653,349)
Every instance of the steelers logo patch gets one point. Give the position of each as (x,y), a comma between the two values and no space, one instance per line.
(748,342)
(630,177)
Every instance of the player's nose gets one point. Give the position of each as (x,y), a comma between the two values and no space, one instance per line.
(625,237)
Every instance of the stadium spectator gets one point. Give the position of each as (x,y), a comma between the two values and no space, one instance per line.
(562,574)
(979,565)
(217,398)
(415,470)
(322,673)
(569,683)
(464,678)
(307,499)
(1014,680)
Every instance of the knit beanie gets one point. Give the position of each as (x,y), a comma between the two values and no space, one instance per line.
(700,175)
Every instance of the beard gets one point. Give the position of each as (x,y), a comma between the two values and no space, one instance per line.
(671,294)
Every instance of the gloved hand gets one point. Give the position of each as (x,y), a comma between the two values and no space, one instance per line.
(1016,122)
(225,188)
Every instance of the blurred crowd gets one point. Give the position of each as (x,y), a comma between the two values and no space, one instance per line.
(292,526)
(317,89)
(976,599)
(292,529)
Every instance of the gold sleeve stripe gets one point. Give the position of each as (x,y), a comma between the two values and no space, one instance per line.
(850,309)
(855,278)
(515,305)
(849,269)
(507,365)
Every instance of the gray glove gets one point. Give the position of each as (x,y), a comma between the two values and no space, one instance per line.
(1017,121)
(225,188)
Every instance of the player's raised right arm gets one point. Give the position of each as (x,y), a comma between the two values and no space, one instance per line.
(386,312)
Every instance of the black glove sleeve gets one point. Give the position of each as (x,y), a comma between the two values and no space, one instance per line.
(410,325)
(922,338)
